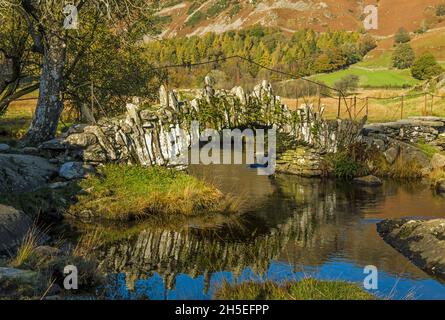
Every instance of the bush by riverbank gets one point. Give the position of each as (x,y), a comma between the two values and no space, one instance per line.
(122,192)
(306,289)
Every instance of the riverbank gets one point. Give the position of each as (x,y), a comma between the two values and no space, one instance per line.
(35,222)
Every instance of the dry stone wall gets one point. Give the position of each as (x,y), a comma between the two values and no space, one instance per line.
(160,134)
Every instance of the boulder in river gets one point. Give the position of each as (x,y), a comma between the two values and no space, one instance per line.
(421,241)
(368,181)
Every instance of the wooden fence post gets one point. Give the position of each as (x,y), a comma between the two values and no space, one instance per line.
(432,103)
(367,106)
(296,95)
(401,108)
(355,107)
(426,108)
(339,107)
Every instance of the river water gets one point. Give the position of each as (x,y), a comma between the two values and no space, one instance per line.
(294,228)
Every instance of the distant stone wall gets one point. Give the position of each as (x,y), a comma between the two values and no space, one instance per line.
(429,130)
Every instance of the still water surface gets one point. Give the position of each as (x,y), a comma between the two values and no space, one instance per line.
(295,228)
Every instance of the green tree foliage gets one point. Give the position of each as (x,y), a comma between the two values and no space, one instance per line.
(104,53)
(440,10)
(306,52)
(19,65)
(367,43)
(403,57)
(348,83)
(402,36)
(426,67)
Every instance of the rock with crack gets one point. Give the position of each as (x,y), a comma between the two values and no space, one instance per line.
(421,241)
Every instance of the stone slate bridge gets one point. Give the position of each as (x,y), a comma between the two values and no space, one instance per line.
(156,134)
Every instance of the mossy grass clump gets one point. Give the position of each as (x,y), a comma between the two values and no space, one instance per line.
(350,162)
(428,149)
(122,192)
(305,289)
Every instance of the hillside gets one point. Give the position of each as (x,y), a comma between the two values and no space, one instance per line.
(197,17)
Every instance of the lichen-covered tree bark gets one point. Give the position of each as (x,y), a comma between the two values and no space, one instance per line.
(50,103)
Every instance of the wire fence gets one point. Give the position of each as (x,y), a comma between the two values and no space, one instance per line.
(339,104)
(346,106)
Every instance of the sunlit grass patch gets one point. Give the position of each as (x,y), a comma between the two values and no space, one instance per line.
(26,250)
(306,289)
(401,169)
(123,192)
(428,149)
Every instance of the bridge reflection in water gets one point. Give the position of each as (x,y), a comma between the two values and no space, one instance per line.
(295,227)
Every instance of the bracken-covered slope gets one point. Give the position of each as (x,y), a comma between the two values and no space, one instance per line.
(197,17)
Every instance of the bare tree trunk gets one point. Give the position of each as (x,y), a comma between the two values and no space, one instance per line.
(50,105)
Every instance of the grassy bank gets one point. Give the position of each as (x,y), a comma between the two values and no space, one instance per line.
(15,122)
(306,289)
(122,192)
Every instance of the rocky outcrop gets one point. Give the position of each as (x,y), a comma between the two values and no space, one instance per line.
(24,172)
(393,149)
(14,225)
(423,242)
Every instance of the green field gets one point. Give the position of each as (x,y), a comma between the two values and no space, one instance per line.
(379,60)
(372,78)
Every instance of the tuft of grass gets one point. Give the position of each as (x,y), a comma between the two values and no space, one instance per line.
(400,169)
(306,289)
(344,167)
(87,244)
(26,250)
(124,192)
